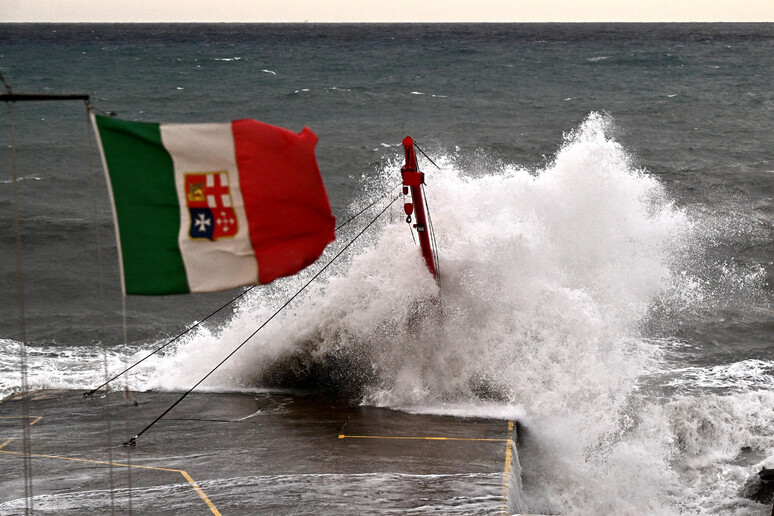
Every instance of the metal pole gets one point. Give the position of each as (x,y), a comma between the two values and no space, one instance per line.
(413,180)
(21,97)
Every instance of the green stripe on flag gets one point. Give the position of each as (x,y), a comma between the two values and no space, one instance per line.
(146,206)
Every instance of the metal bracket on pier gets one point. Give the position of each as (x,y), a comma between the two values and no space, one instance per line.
(413,180)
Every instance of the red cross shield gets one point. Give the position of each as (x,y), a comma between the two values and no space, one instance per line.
(208,196)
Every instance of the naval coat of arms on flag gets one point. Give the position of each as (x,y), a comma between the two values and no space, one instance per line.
(208,198)
(204,207)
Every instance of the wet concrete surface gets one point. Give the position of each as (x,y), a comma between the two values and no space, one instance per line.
(249,453)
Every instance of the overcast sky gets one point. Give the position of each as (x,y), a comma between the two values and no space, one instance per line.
(384,10)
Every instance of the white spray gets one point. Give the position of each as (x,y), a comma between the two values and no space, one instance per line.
(547,279)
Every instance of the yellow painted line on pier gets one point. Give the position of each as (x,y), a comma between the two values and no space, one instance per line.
(507,469)
(201,493)
(508,454)
(410,438)
(35,418)
(185,474)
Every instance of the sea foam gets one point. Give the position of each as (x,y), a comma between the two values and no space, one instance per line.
(548,279)
(545,278)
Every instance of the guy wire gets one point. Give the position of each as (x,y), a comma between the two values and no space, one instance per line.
(133,440)
(229,303)
(425,155)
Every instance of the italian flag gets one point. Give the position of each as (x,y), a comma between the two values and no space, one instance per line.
(205,207)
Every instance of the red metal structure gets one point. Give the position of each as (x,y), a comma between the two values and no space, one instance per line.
(413,180)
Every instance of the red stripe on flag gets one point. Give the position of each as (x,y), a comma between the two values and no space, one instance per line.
(288,213)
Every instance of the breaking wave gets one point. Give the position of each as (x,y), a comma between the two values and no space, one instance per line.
(561,289)
(550,282)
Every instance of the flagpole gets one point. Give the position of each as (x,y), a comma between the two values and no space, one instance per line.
(21,97)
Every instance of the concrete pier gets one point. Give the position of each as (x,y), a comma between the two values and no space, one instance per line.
(251,453)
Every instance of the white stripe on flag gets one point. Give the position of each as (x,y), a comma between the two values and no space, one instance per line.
(228,261)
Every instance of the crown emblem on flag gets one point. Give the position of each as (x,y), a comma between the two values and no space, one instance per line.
(208,196)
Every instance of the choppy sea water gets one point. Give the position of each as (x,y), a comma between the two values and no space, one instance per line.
(604,211)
